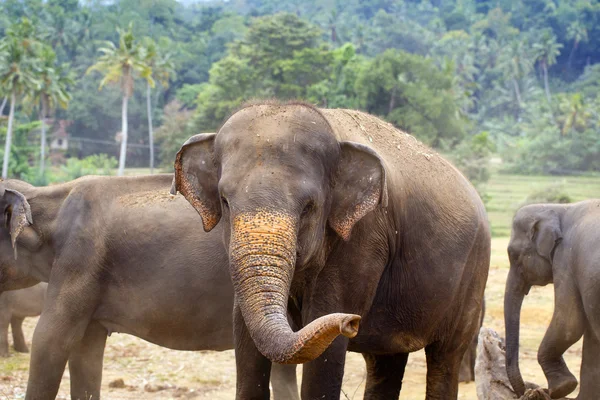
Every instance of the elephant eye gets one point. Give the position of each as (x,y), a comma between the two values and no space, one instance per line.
(308,208)
(225,202)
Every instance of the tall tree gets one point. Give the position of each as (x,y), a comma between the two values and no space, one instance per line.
(51,92)
(162,68)
(547,50)
(17,71)
(120,65)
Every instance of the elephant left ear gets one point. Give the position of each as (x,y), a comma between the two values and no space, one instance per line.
(360,187)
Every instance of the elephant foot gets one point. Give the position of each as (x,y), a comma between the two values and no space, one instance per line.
(562,385)
(3,354)
(21,349)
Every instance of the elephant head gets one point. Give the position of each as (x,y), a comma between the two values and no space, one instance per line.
(282,183)
(536,233)
(17,217)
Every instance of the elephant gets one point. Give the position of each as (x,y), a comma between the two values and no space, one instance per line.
(111,252)
(558,244)
(15,306)
(342,220)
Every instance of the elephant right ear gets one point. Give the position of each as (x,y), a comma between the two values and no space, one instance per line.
(196,178)
(17,214)
(546,234)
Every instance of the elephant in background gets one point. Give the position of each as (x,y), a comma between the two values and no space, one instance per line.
(111,251)
(344,220)
(15,306)
(557,244)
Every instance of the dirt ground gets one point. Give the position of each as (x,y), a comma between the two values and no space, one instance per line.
(151,372)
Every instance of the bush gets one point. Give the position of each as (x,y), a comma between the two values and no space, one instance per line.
(550,194)
(97,164)
(472,158)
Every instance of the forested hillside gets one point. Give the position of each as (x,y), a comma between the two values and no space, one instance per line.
(516,77)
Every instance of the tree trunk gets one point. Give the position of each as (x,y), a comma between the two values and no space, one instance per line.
(3,105)
(517,94)
(546,86)
(11,117)
(123,136)
(150,133)
(43,139)
(572,53)
(392,101)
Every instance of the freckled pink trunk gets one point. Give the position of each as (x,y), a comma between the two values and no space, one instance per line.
(263,256)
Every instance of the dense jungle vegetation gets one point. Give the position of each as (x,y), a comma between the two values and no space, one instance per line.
(516,78)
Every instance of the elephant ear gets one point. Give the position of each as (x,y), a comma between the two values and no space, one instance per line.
(196,178)
(360,187)
(546,234)
(17,214)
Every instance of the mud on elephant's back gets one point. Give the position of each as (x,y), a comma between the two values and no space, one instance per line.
(491,379)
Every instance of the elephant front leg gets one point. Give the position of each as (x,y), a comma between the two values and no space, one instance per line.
(384,375)
(85,363)
(322,377)
(252,368)
(50,351)
(565,329)
(18,336)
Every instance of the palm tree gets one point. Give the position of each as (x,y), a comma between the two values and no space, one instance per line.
(120,65)
(51,93)
(547,50)
(578,32)
(17,71)
(516,65)
(162,68)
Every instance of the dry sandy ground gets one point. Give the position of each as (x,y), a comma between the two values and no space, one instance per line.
(211,375)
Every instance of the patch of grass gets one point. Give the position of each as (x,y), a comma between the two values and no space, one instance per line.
(508,192)
(15,363)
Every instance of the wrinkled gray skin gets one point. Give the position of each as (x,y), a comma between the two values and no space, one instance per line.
(15,306)
(557,244)
(381,245)
(467,365)
(120,255)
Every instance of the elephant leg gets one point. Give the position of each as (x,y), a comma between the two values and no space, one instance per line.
(252,368)
(590,368)
(384,375)
(442,371)
(565,329)
(284,382)
(62,325)
(18,336)
(4,322)
(322,377)
(85,363)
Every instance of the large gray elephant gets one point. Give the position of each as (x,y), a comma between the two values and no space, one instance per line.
(112,252)
(557,244)
(15,306)
(346,220)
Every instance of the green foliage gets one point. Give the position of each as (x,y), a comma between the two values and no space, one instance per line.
(524,71)
(550,194)
(22,153)
(413,94)
(175,130)
(97,164)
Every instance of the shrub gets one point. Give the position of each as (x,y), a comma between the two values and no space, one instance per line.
(550,194)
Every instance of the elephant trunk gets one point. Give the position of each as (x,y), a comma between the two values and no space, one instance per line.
(516,289)
(262,260)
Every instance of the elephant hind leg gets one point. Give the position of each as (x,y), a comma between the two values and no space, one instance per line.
(4,322)
(590,368)
(18,336)
(384,375)
(442,371)
(85,363)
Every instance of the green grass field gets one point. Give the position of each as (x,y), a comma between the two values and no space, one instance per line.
(508,192)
